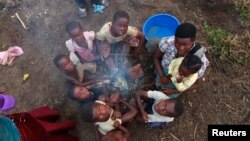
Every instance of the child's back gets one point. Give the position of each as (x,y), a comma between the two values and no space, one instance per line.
(74,74)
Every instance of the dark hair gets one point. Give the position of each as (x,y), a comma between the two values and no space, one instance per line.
(87,112)
(72,25)
(178,108)
(71,88)
(120,14)
(186,30)
(192,63)
(58,58)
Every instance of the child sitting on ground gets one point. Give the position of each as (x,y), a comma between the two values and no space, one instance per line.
(106,118)
(84,48)
(116,31)
(74,74)
(89,94)
(161,109)
(84,94)
(183,73)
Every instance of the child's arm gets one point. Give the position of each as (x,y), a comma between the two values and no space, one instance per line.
(104,97)
(76,82)
(130,114)
(138,96)
(192,88)
(186,82)
(179,79)
(196,85)
(73,80)
(123,129)
(126,133)
(141,37)
(101,34)
(114,100)
(157,62)
(115,97)
(110,63)
(111,100)
(97,133)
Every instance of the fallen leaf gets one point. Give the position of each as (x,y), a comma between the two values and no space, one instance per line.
(203,79)
(26,76)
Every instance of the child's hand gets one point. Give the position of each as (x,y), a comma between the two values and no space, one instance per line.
(105,49)
(164,80)
(145,116)
(116,115)
(167,92)
(179,79)
(116,124)
(103,98)
(115,98)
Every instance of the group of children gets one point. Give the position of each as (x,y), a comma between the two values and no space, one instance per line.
(95,58)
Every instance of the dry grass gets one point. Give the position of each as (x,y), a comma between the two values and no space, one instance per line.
(238,47)
(242,5)
(229,47)
(243,9)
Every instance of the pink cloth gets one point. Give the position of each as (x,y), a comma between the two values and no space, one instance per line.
(7,57)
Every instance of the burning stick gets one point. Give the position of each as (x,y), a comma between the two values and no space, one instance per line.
(20,20)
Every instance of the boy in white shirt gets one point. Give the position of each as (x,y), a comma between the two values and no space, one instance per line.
(163,109)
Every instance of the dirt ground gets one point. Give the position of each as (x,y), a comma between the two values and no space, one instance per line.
(222,99)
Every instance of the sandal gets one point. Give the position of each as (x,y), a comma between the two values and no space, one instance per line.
(82,13)
(105,3)
(7,102)
(98,8)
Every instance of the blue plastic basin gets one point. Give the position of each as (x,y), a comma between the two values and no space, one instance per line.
(160,25)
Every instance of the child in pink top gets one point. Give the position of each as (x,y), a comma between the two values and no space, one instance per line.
(84,48)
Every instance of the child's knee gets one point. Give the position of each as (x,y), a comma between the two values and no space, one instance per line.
(90,67)
(74,58)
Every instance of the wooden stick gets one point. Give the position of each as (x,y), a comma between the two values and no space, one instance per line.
(174,136)
(195,130)
(20,20)
(201,116)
